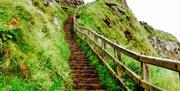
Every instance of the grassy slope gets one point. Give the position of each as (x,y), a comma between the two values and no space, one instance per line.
(93,16)
(151,32)
(33,41)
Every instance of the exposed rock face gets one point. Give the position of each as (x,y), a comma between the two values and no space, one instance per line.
(124,2)
(167,49)
(169,46)
(48,2)
(164,44)
(115,8)
(108,22)
(73,3)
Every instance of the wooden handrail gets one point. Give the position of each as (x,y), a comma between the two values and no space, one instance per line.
(91,38)
(165,63)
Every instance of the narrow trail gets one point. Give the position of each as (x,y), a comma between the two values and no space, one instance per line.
(85,77)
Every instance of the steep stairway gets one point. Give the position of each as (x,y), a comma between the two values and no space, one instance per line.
(84,76)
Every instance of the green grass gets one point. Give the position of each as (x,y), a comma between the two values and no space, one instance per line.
(36,42)
(93,19)
(92,16)
(157,33)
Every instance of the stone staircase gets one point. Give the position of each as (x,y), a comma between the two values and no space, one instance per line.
(84,76)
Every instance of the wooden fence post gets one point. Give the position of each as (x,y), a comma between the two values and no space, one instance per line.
(79,34)
(145,74)
(88,33)
(83,36)
(103,45)
(118,56)
(96,40)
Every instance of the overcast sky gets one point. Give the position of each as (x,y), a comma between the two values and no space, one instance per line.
(161,14)
(86,1)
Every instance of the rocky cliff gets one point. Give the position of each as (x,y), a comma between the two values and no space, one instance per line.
(73,3)
(165,44)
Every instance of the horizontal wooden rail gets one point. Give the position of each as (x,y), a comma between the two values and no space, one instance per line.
(100,49)
(165,63)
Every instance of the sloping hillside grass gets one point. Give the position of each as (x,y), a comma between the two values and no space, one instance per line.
(116,21)
(160,34)
(33,52)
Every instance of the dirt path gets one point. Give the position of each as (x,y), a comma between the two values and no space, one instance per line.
(84,76)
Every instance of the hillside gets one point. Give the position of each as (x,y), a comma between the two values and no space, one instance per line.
(114,20)
(38,51)
(34,53)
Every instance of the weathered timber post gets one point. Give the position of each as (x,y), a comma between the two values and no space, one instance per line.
(103,45)
(88,32)
(96,40)
(88,35)
(145,75)
(84,35)
(85,32)
(145,72)
(80,34)
(118,56)
(117,53)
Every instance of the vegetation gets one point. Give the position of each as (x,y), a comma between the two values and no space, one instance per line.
(33,53)
(116,21)
(107,80)
(151,32)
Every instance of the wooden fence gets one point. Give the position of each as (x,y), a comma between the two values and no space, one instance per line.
(99,45)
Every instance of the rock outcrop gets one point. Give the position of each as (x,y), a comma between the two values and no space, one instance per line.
(48,2)
(167,48)
(73,3)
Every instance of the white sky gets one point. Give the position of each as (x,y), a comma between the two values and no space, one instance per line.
(160,14)
(86,1)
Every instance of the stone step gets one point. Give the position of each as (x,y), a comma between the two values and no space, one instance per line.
(78,57)
(75,49)
(84,71)
(85,59)
(81,67)
(79,61)
(85,76)
(88,86)
(85,68)
(90,90)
